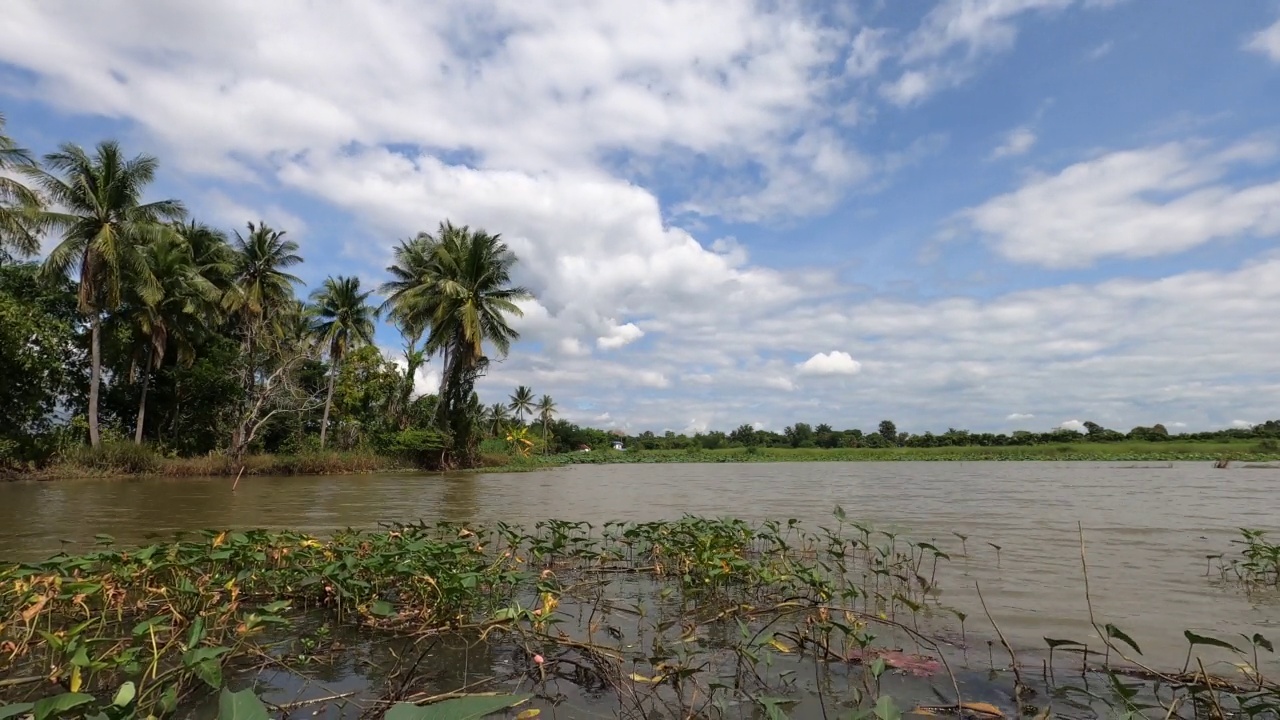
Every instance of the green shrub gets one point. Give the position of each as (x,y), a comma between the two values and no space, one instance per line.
(115,456)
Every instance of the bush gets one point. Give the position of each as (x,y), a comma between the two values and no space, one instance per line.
(115,456)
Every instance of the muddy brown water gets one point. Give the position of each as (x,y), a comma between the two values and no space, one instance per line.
(1147,530)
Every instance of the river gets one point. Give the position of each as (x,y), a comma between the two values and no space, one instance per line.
(1147,529)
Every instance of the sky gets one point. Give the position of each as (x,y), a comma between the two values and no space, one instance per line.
(983,214)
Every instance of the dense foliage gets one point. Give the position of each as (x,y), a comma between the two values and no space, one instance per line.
(141,323)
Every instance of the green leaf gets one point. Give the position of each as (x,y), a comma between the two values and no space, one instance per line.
(1195,639)
(125,694)
(1052,643)
(209,671)
(1263,643)
(58,704)
(8,711)
(463,708)
(168,700)
(1118,634)
(382,608)
(887,709)
(243,705)
(773,707)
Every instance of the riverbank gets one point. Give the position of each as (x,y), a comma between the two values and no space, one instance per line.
(126,459)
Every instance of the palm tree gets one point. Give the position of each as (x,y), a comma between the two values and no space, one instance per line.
(546,409)
(344,320)
(19,204)
(259,281)
(104,226)
(499,416)
(522,402)
(187,304)
(260,298)
(456,284)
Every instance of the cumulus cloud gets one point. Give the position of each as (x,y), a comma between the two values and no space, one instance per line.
(1133,203)
(835,362)
(1017,142)
(1015,417)
(619,335)
(1076,425)
(1244,424)
(548,123)
(1267,42)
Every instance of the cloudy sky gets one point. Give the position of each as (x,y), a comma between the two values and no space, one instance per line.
(992,214)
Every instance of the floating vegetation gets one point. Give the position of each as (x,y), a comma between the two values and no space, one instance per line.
(1257,568)
(695,617)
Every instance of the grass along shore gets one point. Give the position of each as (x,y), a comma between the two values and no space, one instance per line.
(122,459)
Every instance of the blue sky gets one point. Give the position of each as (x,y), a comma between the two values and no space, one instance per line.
(993,214)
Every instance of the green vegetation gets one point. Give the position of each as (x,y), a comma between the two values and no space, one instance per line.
(143,323)
(686,618)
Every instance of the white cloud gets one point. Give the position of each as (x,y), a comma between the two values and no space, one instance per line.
(835,362)
(1076,425)
(1015,417)
(955,36)
(1017,142)
(1244,424)
(1136,203)
(1100,51)
(866,53)
(1267,42)
(619,335)
(779,382)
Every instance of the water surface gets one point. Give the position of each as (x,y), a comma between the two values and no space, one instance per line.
(1147,529)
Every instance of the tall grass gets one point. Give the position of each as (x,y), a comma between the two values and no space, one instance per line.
(125,458)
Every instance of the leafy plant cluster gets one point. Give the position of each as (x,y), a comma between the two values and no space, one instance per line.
(691,617)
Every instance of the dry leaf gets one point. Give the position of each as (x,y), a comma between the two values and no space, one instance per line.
(527,714)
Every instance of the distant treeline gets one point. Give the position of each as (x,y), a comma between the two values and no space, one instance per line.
(804,435)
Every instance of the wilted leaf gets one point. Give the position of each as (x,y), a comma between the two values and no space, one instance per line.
(528,714)
(981,709)
(463,708)
(780,646)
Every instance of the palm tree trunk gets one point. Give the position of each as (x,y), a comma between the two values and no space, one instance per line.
(328,403)
(95,376)
(142,401)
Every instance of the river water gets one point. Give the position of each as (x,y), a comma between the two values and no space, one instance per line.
(1147,530)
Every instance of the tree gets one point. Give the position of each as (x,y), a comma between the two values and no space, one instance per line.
(344,319)
(19,205)
(458,286)
(744,435)
(889,431)
(187,303)
(274,333)
(498,417)
(546,409)
(522,402)
(40,356)
(103,225)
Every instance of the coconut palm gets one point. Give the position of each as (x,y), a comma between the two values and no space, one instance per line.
(259,282)
(456,284)
(499,417)
(104,226)
(546,410)
(19,204)
(522,402)
(212,256)
(343,320)
(186,305)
